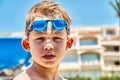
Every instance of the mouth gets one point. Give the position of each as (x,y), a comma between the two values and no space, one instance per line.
(49,57)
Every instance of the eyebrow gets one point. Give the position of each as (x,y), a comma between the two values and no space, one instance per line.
(39,33)
(55,32)
(58,32)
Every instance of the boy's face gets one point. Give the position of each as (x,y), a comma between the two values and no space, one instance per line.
(47,47)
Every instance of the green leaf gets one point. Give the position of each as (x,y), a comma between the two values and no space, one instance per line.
(114,6)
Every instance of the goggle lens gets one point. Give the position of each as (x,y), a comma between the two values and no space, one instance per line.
(59,24)
(39,25)
(42,25)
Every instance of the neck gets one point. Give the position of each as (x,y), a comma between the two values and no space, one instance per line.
(44,73)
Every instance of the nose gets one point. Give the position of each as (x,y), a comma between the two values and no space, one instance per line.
(48,46)
(49,28)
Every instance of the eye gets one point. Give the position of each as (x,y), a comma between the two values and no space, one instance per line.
(40,39)
(57,38)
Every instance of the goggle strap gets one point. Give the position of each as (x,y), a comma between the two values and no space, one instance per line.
(68,30)
(29,30)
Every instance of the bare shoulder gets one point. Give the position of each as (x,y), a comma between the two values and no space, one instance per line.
(61,78)
(64,79)
(22,76)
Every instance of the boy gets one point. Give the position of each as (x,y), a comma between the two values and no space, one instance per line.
(47,31)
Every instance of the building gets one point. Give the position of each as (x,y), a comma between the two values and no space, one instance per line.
(95,52)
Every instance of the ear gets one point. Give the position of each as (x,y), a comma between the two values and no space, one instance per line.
(69,42)
(25,44)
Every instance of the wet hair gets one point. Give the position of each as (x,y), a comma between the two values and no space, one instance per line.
(46,8)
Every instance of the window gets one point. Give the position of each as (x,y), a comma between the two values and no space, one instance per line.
(117,62)
(89,57)
(86,41)
(110,32)
(70,58)
(111,48)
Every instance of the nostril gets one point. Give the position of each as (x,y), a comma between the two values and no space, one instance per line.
(48,46)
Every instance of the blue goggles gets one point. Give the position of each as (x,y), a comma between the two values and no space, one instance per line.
(41,25)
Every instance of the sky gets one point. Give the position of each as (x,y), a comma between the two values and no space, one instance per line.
(82,12)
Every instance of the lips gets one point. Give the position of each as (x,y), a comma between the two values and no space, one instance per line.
(49,57)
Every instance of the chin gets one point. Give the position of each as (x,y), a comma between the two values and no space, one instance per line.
(51,65)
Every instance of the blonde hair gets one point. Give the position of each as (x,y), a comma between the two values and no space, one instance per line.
(46,8)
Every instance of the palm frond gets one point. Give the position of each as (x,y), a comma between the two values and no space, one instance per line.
(114,6)
(118,4)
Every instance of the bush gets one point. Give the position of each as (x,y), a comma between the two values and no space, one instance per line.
(79,78)
(109,78)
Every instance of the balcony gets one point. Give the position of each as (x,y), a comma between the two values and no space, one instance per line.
(72,66)
(90,65)
(111,42)
(111,68)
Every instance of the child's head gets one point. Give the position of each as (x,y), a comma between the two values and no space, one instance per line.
(48,9)
(47,29)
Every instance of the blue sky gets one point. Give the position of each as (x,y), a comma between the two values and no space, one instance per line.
(82,12)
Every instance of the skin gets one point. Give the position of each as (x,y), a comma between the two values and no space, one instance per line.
(47,49)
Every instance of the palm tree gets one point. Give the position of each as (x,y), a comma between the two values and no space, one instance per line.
(116,6)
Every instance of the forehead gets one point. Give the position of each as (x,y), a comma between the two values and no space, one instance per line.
(53,32)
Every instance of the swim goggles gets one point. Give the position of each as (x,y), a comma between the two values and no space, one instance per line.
(41,25)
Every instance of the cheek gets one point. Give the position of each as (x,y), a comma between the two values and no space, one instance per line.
(35,47)
(35,50)
(62,47)
(61,52)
